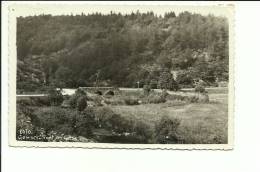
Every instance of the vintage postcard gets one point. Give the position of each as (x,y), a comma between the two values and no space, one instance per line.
(121,76)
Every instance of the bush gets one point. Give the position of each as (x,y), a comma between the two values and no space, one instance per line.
(203,98)
(200,89)
(131,101)
(97,100)
(80,92)
(102,115)
(24,102)
(64,121)
(81,103)
(142,132)
(55,97)
(174,85)
(137,130)
(54,118)
(185,79)
(117,123)
(146,89)
(85,122)
(166,130)
(164,94)
(74,99)
(34,101)
(193,99)
(23,121)
(42,101)
(153,84)
(114,101)
(177,97)
(107,119)
(155,98)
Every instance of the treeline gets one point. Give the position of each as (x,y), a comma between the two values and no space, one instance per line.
(120,50)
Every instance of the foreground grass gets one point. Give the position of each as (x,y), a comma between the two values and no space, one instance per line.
(200,123)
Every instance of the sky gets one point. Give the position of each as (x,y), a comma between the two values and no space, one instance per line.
(67,9)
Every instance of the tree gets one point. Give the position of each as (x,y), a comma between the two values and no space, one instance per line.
(81,103)
(63,77)
(69,50)
(55,96)
(164,79)
(169,15)
(146,89)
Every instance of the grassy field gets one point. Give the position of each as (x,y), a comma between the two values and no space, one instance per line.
(200,122)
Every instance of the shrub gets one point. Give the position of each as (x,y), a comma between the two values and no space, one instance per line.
(102,115)
(175,97)
(73,100)
(137,130)
(166,130)
(174,85)
(114,101)
(131,101)
(164,81)
(26,129)
(85,122)
(34,101)
(200,89)
(42,101)
(81,103)
(155,98)
(64,121)
(116,122)
(185,79)
(142,132)
(164,94)
(80,92)
(153,84)
(55,97)
(54,118)
(203,98)
(107,119)
(193,99)
(97,100)
(23,121)
(24,102)
(146,89)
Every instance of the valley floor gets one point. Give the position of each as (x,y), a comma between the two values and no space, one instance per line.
(200,122)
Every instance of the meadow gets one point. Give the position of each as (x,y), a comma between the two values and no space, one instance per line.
(132,117)
(200,122)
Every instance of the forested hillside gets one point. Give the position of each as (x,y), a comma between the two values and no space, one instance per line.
(120,50)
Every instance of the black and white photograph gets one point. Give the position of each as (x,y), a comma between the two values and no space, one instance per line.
(121,76)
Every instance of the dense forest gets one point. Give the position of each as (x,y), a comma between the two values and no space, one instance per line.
(120,50)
